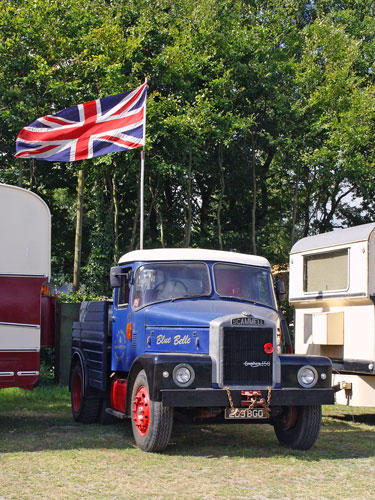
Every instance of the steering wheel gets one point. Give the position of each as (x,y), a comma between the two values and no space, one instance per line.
(165,282)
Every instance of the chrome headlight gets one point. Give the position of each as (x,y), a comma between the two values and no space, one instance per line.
(183,375)
(307,376)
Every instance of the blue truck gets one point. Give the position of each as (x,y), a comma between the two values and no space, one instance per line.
(196,335)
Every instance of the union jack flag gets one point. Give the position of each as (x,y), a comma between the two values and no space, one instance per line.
(95,128)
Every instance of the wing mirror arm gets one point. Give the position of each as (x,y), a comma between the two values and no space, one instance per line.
(280,289)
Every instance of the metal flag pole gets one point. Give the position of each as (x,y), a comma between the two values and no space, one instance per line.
(142,197)
(143,153)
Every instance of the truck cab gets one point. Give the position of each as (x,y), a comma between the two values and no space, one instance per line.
(194,334)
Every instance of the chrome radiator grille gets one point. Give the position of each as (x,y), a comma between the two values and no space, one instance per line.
(245,361)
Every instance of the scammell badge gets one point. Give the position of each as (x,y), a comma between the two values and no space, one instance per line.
(250,321)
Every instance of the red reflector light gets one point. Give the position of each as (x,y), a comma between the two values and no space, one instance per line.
(268,348)
(129,331)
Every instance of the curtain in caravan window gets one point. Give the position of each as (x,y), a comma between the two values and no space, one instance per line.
(326,271)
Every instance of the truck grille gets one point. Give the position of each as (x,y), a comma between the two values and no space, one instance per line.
(245,362)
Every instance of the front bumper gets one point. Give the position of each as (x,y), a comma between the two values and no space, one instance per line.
(184,398)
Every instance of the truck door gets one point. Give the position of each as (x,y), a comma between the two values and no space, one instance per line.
(121,324)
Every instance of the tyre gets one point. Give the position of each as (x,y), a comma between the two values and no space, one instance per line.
(84,409)
(298,427)
(151,421)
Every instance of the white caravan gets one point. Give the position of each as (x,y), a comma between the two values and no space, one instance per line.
(26,308)
(332,287)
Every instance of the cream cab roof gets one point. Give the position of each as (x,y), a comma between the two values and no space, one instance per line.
(334,238)
(192,254)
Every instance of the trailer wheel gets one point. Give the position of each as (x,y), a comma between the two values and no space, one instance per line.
(84,409)
(151,421)
(298,427)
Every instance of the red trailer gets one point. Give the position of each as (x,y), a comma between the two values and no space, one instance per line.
(26,305)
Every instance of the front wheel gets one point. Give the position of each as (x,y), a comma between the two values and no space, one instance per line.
(84,409)
(151,421)
(298,426)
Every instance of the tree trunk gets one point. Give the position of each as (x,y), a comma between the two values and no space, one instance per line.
(168,221)
(153,214)
(205,196)
(134,231)
(32,174)
(254,203)
(78,238)
(20,173)
(189,203)
(161,230)
(262,186)
(220,203)
(136,218)
(154,194)
(295,202)
(116,251)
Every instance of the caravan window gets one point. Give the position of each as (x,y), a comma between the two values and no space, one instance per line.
(326,271)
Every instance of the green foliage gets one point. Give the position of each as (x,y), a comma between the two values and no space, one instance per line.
(76,297)
(260,121)
(47,366)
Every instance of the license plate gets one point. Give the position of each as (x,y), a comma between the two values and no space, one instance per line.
(245,414)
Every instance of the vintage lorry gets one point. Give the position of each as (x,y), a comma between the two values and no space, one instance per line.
(27,306)
(196,335)
(332,287)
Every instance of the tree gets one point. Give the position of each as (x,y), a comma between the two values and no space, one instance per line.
(260,120)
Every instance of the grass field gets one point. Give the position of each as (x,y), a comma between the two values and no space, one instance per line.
(45,455)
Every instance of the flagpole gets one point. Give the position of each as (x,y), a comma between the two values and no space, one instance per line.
(143,153)
(142,197)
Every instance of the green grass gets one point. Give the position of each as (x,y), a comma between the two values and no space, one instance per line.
(44,454)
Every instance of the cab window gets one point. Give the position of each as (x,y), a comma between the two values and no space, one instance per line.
(164,281)
(124,291)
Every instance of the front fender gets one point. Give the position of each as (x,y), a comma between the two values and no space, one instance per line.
(89,392)
(291,363)
(78,357)
(155,365)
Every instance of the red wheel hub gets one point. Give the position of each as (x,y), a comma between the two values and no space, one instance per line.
(289,419)
(77,392)
(141,410)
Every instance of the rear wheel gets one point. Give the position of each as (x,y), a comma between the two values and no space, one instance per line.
(151,421)
(84,409)
(298,426)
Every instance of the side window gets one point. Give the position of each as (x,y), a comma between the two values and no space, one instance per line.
(326,271)
(124,291)
(264,289)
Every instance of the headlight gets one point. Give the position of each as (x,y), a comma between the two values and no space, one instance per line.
(183,375)
(307,376)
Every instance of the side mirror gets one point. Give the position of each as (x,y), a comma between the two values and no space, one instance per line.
(115,276)
(280,290)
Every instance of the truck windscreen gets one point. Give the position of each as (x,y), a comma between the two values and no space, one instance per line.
(163,281)
(244,282)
